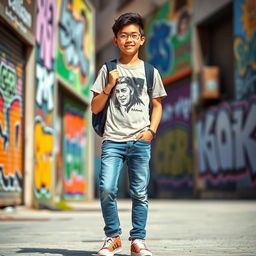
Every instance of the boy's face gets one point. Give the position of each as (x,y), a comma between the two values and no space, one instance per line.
(129,39)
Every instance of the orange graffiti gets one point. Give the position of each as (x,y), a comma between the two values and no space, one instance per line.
(76,185)
(11,138)
(77,124)
(44,157)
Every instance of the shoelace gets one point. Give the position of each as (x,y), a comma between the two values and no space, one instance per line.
(107,241)
(140,243)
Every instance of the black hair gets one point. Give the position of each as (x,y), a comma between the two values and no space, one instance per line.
(127,19)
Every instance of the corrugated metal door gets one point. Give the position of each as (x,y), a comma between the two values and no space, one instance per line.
(12,72)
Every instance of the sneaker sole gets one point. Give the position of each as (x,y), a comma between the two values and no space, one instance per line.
(111,253)
(138,254)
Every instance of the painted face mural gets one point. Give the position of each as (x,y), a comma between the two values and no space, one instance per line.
(169,40)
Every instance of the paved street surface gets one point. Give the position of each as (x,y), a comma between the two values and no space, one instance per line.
(174,228)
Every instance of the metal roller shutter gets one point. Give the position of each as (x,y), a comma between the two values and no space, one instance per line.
(12,72)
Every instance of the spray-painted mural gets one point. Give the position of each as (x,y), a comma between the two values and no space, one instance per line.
(11,125)
(169,40)
(245,48)
(227,144)
(75,50)
(44,97)
(74,146)
(172,148)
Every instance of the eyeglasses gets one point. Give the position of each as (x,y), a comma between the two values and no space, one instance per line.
(133,36)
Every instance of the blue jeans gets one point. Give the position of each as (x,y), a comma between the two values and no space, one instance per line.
(137,156)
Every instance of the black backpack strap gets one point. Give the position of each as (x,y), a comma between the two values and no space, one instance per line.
(111,65)
(149,72)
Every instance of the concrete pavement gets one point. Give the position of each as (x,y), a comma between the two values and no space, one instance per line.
(194,227)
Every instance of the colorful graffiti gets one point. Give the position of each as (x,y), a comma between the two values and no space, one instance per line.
(45,38)
(245,48)
(11,144)
(8,79)
(45,54)
(74,146)
(172,149)
(169,41)
(227,143)
(43,170)
(11,128)
(19,14)
(75,59)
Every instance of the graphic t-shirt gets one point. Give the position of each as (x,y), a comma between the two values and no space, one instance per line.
(128,111)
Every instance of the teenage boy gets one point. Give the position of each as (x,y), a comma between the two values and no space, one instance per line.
(127,134)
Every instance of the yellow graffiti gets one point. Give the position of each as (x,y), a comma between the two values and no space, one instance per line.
(171,154)
(245,54)
(249,17)
(43,155)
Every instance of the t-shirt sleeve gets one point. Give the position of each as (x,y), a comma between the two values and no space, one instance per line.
(158,87)
(100,81)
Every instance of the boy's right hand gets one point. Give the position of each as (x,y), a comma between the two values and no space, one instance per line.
(113,78)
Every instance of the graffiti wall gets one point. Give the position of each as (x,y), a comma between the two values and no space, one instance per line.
(168,45)
(44,97)
(172,148)
(74,151)
(245,48)
(11,127)
(227,145)
(20,14)
(65,46)
(75,48)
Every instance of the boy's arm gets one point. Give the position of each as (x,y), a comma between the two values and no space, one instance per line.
(155,120)
(99,99)
(156,114)
(98,102)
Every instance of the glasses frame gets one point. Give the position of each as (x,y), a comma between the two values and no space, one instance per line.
(126,36)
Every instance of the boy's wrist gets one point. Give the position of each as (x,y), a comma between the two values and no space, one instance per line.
(105,92)
(152,132)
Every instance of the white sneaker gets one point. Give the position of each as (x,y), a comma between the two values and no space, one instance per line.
(139,248)
(111,246)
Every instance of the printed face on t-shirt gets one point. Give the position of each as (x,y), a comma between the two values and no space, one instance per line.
(124,94)
(128,92)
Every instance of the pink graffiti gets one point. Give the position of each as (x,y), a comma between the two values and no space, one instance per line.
(46,30)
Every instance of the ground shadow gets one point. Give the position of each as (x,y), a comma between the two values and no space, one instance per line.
(63,252)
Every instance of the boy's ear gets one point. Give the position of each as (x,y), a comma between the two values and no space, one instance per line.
(142,40)
(114,39)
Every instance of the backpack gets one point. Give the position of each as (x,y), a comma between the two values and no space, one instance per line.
(99,120)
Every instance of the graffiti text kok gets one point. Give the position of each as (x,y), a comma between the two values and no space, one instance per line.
(227,139)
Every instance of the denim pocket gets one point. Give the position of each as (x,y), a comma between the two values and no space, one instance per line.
(144,141)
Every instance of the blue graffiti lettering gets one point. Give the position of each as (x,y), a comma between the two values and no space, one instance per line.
(159,48)
(71,34)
